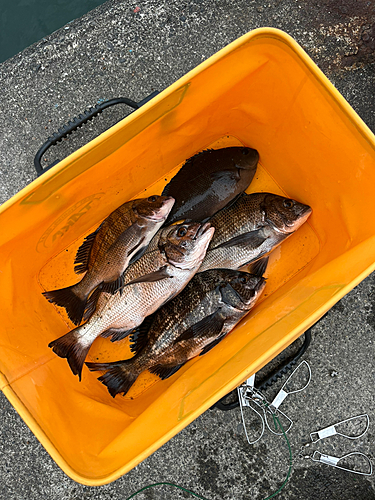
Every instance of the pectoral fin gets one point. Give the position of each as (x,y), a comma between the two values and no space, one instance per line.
(210,326)
(211,345)
(158,275)
(140,251)
(252,239)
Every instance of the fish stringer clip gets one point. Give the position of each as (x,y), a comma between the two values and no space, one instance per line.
(283,393)
(317,456)
(249,397)
(331,430)
(246,394)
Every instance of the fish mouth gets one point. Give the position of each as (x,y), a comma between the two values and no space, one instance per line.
(261,284)
(202,229)
(305,213)
(163,212)
(292,226)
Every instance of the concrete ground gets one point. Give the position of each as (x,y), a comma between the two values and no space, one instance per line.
(115,51)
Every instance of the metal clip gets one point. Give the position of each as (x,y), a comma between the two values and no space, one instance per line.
(334,461)
(244,425)
(247,393)
(277,412)
(274,407)
(331,430)
(282,394)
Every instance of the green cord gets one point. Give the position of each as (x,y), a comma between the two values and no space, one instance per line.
(168,484)
(277,425)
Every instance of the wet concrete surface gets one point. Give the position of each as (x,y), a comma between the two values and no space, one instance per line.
(120,50)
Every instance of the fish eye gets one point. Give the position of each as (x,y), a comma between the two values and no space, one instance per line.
(243,280)
(152,199)
(288,203)
(182,231)
(245,151)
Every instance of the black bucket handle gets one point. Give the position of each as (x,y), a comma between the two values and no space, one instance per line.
(77,122)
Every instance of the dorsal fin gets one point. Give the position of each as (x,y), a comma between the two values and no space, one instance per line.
(83,253)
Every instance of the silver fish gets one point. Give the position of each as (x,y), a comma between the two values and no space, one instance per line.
(105,254)
(190,325)
(251,227)
(171,260)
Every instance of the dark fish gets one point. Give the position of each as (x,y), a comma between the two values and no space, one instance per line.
(210,180)
(105,254)
(251,227)
(171,260)
(190,325)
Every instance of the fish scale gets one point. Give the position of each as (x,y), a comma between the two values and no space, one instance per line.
(106,253)
(236,218)
(189,325)
(119,311)
(150,260)
(204,304)
(250,228)
(214,177)
(174,257)
(240,255)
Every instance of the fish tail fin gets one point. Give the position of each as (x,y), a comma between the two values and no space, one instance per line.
(69,346)
(118,377)
(65,297)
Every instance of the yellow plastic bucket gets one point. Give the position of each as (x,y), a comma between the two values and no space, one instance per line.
(262,91)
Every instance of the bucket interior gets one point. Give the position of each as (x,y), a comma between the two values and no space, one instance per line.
(262,94)
(285,262)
